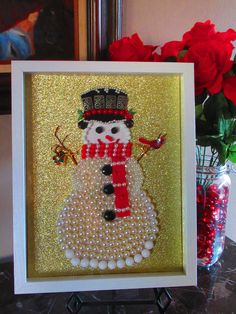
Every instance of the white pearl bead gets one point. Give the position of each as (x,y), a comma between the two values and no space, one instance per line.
(120,263)
(93,263)
(148,245)
(145,253)
(129,261)
(138,258)
(102,265)
(111,265)
(84,262)
(69,253)
(75,261)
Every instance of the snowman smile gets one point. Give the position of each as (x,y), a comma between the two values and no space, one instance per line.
(109,138)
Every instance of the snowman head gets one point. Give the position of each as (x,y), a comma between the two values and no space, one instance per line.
(98,132)
(106,118)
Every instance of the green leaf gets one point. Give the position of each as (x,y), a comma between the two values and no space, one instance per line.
(198,111)
(171,59)
(232,153)
(234,68)
(232,108)
(231,139)
(200,99)
(216,143)
(228,74)
(203,128)
(214,107)
(203,141)
(226,127)
(182,53)
(132,111)
(208,140)
(222,150)
(80,114)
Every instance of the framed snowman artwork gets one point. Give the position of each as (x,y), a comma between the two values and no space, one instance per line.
(103,175)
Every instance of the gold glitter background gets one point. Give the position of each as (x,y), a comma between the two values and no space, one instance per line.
(53,100)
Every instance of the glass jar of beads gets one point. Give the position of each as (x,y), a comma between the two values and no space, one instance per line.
(213,184)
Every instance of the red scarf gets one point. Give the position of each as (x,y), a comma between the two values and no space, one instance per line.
(119,154)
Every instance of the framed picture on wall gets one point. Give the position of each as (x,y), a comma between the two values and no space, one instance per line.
(55,30)
(104,176)
(59,29)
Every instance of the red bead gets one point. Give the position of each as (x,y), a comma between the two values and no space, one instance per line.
(209,242)
(213,187)
(212,234)
(220,226)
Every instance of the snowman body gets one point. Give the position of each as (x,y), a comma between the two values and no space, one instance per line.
(107,221)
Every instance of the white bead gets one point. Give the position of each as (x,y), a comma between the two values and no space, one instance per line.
(93,263)
(145,253)
(120,263)
(84,262)
(111,265)
(69,253)
(148,245)
(102,265)
(129,261)
(138,258)
(75,261)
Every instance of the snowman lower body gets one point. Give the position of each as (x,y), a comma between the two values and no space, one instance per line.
(88,240)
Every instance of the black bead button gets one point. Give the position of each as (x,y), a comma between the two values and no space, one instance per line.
(108,188)
(107,170)
(109,215)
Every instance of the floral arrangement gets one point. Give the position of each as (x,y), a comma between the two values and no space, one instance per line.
(215,82)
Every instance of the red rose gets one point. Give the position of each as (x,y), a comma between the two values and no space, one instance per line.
(131,49)
(228,36)
(229,88)
(171,49)
(211,61)
(200,32)
(156,57)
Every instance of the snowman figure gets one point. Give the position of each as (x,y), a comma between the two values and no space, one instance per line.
(107,221)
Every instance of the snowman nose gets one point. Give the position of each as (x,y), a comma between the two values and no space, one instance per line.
(109,138)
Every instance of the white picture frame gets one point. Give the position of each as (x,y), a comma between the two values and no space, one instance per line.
(107,281)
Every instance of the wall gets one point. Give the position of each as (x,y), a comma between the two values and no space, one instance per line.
(159,21)
(5,187)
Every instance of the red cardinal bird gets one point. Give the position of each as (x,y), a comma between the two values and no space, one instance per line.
(154,144)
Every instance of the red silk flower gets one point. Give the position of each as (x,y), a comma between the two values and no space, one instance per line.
(171,49)
(200,32)
(229,88)
(131,49)
(211,61)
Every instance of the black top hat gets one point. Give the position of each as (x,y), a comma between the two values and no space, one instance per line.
(105,104)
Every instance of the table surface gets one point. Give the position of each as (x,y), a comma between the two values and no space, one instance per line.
(215,293)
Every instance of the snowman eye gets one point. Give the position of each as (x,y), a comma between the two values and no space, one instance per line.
(99,129)
(114,130)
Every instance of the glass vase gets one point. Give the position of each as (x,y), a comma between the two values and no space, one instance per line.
(213,184)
